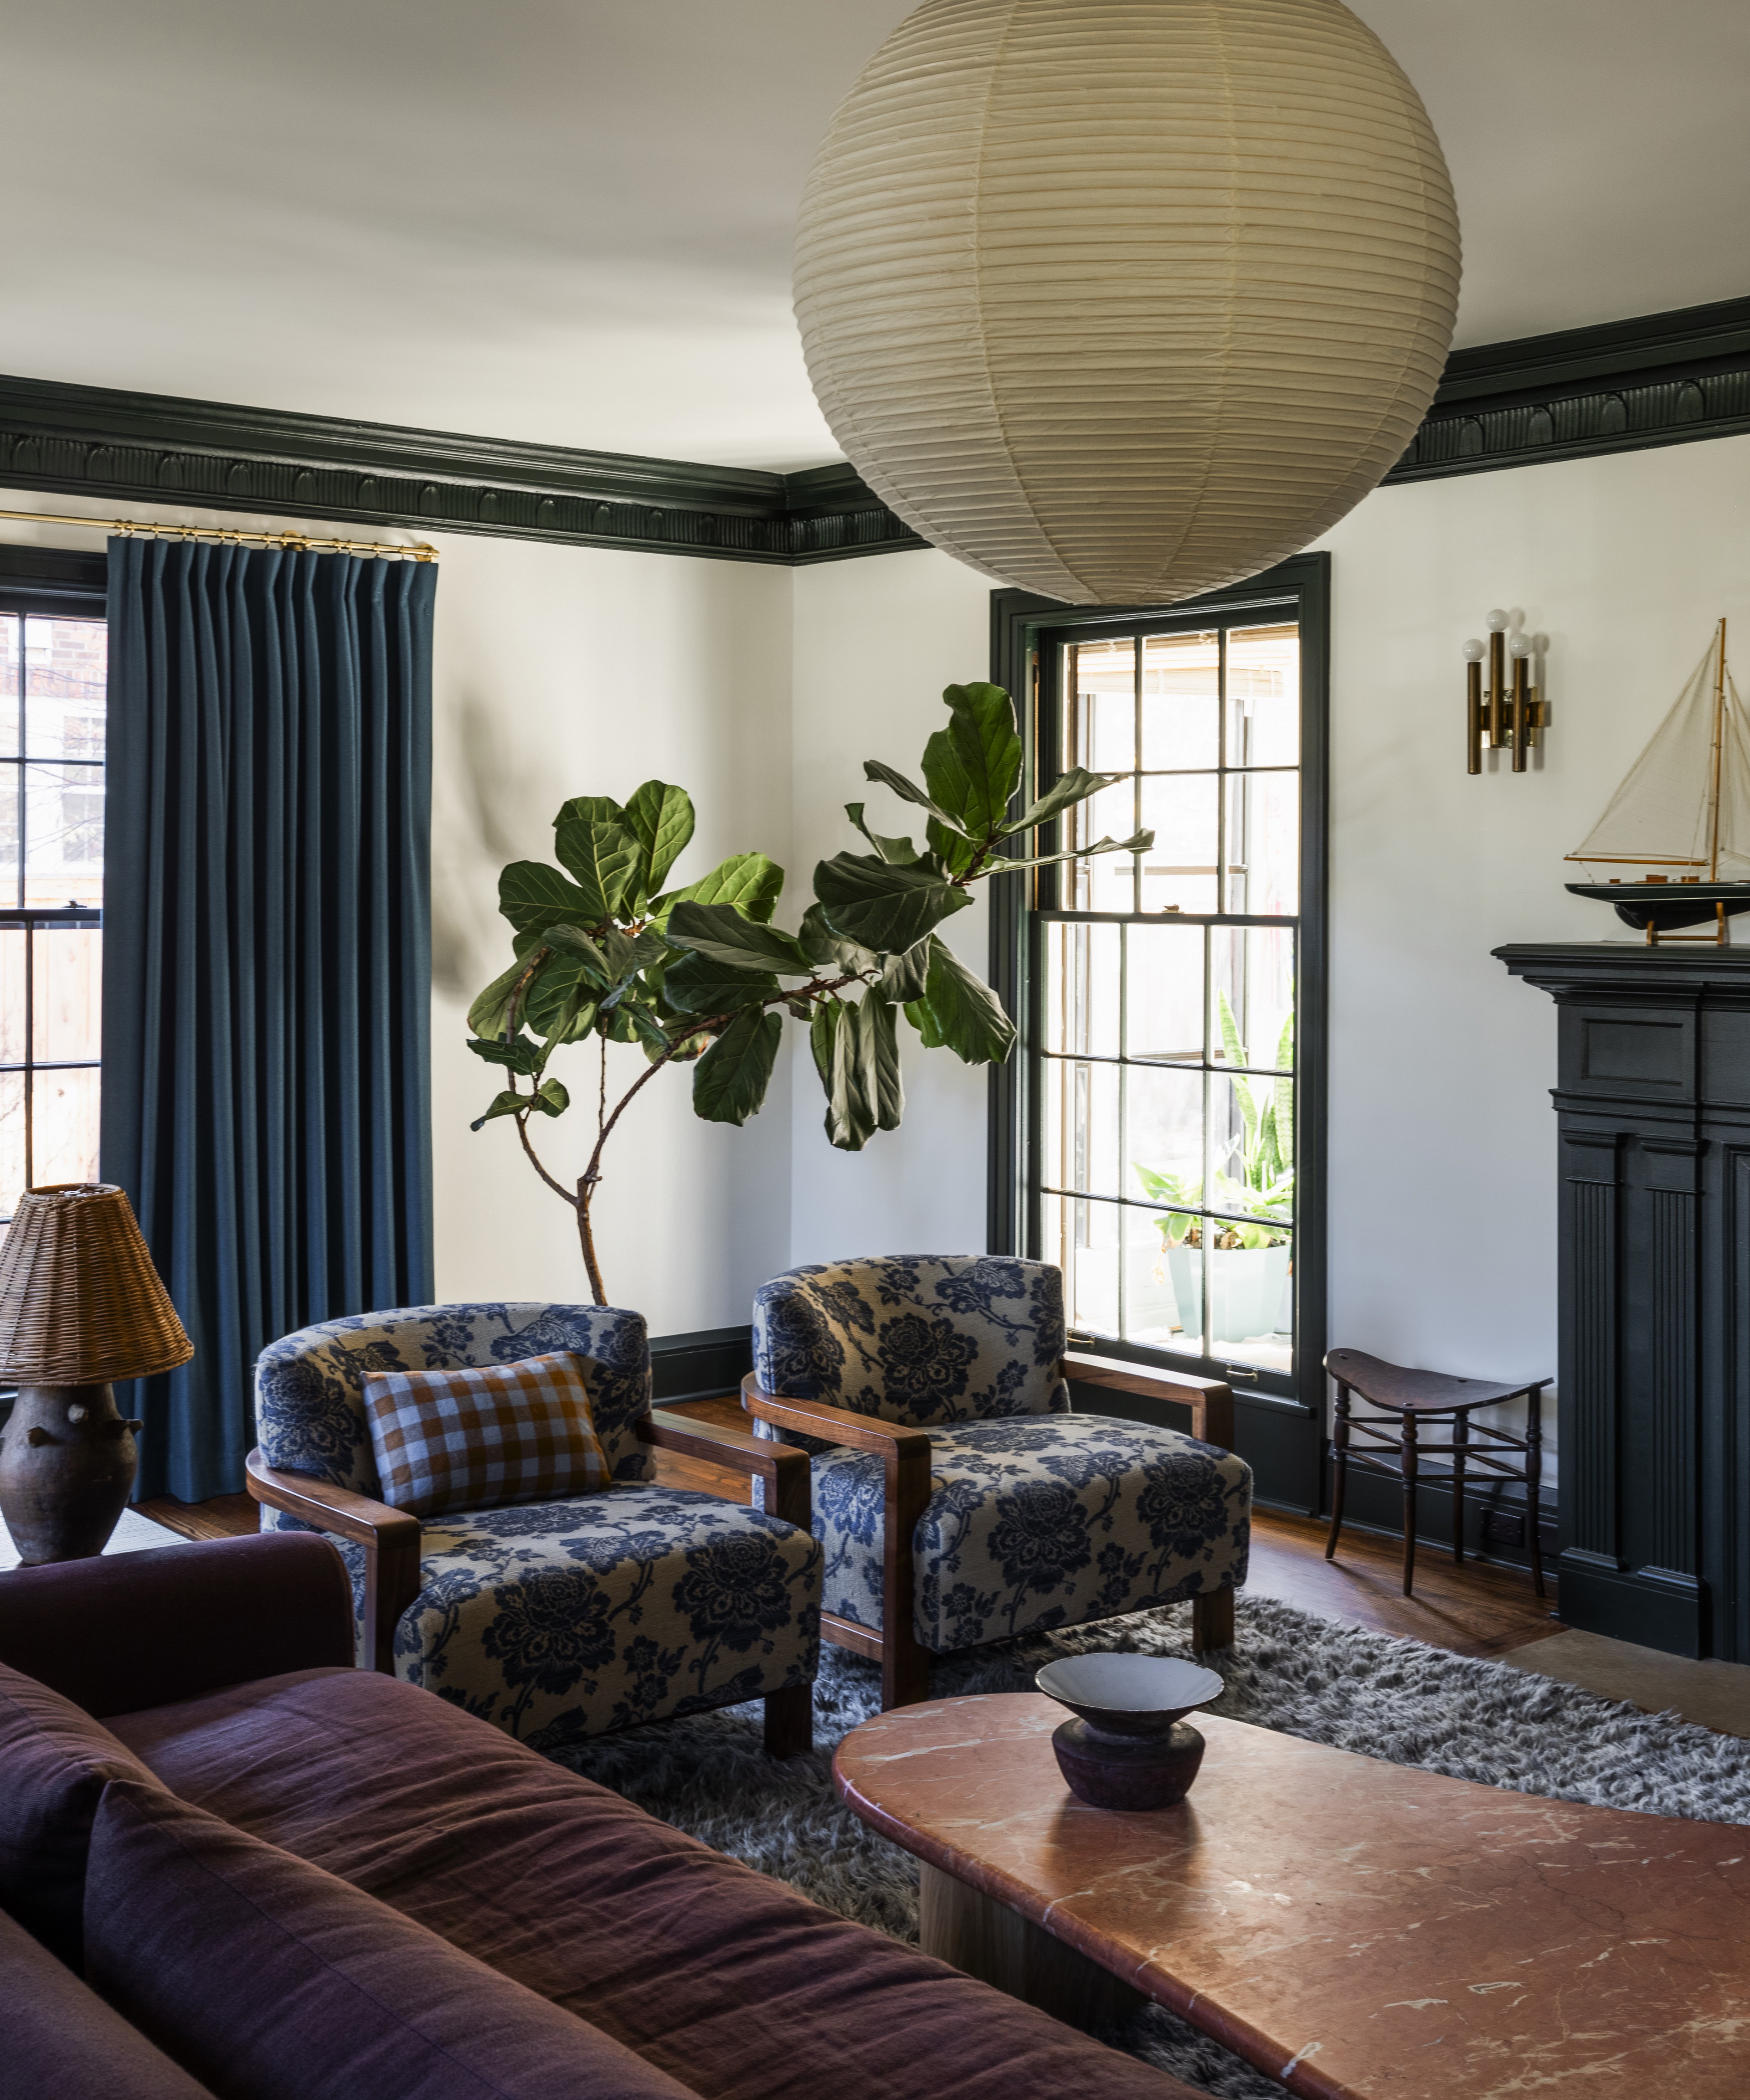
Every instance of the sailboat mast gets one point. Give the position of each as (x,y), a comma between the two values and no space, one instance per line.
(1713,787)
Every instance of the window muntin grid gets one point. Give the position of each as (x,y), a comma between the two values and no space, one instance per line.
(52,726)
(1133,1059)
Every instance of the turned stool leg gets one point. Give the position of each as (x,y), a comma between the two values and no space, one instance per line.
(1340,1467)
(1407,1451)
(1534,1473)
(1461,1438)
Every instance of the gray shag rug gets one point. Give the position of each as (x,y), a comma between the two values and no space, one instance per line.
(1289,1669)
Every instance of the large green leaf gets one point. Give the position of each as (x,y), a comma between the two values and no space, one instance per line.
(901,851)
(562,1002)
(828,950)
(749,881)
(720,932)
(878,1057)
(849,1122)
(1137,842)
(552,1100)
(967,1015)
(583,951)
(522,1055)
(822,1033)
(973,767)
(502,1105)
(881,907)
(660,817)
(729,1081)
(698,983)
(1074,786)
(590,809)
(533,896)
(906,975)
(491,1011)
(908,791)
(954,849)
(604,857)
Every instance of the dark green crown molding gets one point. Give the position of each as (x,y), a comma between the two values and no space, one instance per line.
(155,448)
(1622,386)
(1661,379)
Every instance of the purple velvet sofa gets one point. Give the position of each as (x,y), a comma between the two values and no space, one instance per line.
(232,1864)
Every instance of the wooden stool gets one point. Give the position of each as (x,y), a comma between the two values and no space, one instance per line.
(1421,1399)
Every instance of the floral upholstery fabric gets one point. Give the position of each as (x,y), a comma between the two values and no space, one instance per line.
(310,1388)
(563,1618)
(569,1618)
(919,1338)
(1037,1523)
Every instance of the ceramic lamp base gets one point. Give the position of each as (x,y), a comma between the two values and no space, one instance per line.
(1128,1771)
(67,1465)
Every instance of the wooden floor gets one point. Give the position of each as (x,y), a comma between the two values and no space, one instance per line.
(1478,1609)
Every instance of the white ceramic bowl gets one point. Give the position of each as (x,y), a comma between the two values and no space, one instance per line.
(1131,1694)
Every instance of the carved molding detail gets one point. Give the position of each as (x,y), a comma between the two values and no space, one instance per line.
(1589,1453)
(1662,379)
(1670,1443)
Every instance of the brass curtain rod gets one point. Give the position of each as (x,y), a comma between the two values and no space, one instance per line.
(229,536)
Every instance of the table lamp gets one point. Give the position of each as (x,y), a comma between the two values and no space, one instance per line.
(80,1305)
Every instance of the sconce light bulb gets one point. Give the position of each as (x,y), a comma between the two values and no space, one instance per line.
(1497,621)
(1519,646)
(1475,652)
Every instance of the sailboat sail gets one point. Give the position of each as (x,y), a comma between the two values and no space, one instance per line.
(1663,814)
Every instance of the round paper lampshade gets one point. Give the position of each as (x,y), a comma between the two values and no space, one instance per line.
(81,1302)
(1122,300)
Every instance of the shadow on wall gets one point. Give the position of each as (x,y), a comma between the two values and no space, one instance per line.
(478,798)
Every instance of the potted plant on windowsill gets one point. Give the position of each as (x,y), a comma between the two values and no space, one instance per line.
(1246,1256)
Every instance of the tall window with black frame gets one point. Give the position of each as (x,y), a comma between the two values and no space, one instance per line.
(1162,1026)
(52,698)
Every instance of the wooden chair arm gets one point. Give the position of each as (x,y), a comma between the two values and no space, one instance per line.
(833,1425)
(779,1471)
(391,1539)
(904,1455)
(1210,1400)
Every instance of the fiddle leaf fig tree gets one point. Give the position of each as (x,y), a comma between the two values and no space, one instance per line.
(700,974)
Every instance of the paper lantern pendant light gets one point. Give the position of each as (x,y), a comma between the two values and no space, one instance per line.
(1121,300)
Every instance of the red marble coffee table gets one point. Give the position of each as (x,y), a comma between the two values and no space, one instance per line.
(1360,1931)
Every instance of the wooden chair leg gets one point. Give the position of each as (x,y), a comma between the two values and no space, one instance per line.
(1534,1466)
(905,1669)
(1407,1449)
(1212,1621)
(1339,1468)
(1460,1440)
(789,1721)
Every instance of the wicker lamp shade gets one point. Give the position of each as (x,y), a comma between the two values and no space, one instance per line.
(81,1302)
(1122,300)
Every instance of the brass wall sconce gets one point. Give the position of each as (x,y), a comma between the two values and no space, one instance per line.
(1493,715)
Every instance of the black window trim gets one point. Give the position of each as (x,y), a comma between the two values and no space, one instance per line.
(1300,588)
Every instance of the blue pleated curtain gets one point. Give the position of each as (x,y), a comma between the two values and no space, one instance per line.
(266,959)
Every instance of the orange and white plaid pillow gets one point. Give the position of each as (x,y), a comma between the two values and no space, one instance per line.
(482,1436)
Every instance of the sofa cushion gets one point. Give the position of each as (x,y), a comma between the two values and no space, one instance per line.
(55,1763)
(724,1978)
(273,1980)
(484,1435)
(1040,1523)
(62,2039)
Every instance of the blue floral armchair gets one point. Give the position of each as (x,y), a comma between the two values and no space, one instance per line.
(959,1499)
(552,1619)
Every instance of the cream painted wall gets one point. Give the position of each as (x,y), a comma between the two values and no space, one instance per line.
(876,640)
(561,671)
(1441,1139)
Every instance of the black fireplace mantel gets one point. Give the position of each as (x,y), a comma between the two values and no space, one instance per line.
(1652,1098)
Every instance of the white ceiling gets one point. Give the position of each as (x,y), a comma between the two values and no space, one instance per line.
(569,220)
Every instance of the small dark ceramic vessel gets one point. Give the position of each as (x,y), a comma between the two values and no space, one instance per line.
(1129,1747)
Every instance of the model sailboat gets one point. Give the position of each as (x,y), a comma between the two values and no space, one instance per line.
(1682,814)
